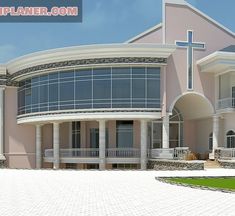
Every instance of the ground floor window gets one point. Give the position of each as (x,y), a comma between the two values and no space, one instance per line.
(210,141)
(92,166)
(157,134)
(71,166)
(94,137)
(125,166)
(230,139)
(76,135)
(124,134)
(175,131)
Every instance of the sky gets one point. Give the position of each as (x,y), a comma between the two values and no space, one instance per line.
(104,21)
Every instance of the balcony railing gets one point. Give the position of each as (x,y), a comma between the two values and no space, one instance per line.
(78,152)
(225,153)
(94,152)
(178,153)
(225,103)
(122,153)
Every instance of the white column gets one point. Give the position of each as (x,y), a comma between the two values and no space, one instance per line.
(165,131)
(56,145)
(2,157)
(143,144)
(38,147)
(102,144)
(215,132)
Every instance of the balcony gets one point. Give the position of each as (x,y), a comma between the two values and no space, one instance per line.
(91,155)
(225,154)
(225,103)
(178,153)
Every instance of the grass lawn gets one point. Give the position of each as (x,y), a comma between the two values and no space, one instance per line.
(222,183)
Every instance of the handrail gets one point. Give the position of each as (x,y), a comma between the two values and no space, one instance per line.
(225,103)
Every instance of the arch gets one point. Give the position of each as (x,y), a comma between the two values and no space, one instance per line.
(196,103)
(176,115)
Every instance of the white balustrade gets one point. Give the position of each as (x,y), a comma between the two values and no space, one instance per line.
(79,152)
(225,153)
(226,103)
(178,153)
(123,153)
(94,152)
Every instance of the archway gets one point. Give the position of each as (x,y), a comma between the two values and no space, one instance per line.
(196,112)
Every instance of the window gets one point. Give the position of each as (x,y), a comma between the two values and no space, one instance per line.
(211,141)
(233,97)
(76,135)
(94,138)
(230,139)
(110,87)
(124,131)
(156,135)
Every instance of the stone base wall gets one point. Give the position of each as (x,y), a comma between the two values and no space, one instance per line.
(2,164)
(175,165)
(229,164)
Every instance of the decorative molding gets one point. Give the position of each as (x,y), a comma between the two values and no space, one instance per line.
(89,115)
(82,62)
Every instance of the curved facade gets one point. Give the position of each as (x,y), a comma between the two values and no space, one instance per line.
(95,88)
(160,95)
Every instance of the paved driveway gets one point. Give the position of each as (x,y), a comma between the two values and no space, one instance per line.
(55,193)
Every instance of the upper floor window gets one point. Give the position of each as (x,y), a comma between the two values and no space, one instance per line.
(230,139)
(111,87)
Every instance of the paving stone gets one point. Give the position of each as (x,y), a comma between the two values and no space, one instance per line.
(101,193)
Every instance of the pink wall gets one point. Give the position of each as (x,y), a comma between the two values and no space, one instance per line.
(19,139)
(179,19)
(190,135)
(152,37)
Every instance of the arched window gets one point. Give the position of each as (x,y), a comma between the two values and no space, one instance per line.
(230,139)
(210,141)
(176,129)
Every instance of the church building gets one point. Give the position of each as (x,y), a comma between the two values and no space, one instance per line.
(168,90)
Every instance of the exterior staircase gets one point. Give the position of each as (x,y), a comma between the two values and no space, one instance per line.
(211,164)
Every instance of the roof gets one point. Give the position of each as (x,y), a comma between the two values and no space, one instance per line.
(230,48)
(147,32)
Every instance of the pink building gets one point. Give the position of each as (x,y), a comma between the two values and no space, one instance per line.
(166,91)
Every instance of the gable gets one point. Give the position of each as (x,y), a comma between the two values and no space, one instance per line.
(152,35)
(180,18)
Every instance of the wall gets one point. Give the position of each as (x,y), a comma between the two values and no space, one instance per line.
(152,37)
(179,19)
(19,139)
(203,129)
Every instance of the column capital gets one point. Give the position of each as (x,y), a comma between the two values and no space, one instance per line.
(39,125)
(101,120)
(144,120)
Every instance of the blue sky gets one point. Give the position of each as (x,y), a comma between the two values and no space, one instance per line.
(104,21)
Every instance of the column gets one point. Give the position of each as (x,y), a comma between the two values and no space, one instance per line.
(102,144)
(143,144)
(38,146)
(215,132)
(165,131)
(2,157)
(56,145)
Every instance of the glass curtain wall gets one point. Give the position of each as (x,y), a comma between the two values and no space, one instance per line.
(129,87)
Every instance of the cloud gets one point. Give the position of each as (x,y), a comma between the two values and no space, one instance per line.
(7,52)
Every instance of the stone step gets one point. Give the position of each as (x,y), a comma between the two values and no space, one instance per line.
(210,164)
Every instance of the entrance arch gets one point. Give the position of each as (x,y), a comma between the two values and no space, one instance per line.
(196,111)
